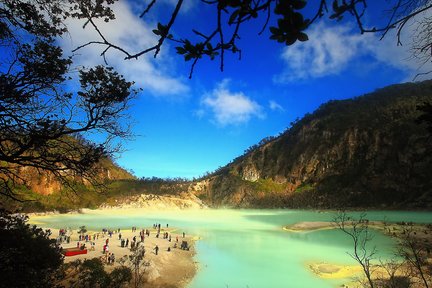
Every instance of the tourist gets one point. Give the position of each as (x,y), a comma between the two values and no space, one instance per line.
(127,242)
(156,249)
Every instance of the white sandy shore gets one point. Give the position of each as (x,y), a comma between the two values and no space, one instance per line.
(309,226)
(322,225)
(167,269)
(175,268)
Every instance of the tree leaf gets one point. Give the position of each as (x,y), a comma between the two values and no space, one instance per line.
(335,6)
(298,4)
(290,39)
(233,16)
(180,50)
(274,30)
(302,37)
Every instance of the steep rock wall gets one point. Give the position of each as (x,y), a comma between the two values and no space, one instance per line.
(367,151)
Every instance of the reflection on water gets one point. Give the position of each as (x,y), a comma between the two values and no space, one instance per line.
(248,248)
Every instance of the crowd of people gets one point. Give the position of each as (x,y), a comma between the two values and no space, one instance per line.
(124,242)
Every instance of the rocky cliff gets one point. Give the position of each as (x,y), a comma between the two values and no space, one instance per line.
(46,183)
(369,151)
(42,191)
(157,202)
(362,152)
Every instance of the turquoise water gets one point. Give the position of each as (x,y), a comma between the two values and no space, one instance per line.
(248,248)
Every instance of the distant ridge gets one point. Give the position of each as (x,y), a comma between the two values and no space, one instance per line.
(362,152)
(42,191)
(366,152)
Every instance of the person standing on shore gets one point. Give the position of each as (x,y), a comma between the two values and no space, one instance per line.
(156,249)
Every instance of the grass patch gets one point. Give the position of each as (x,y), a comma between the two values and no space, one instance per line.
(269,186)
(304,187)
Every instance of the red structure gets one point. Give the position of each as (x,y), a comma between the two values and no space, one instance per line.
(73,251)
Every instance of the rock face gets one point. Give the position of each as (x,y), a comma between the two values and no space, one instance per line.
(363,152)
(159,202)
(46,183)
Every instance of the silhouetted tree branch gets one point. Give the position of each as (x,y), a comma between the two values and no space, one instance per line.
(287,22)
(358,231)
(42,121)
(29,258)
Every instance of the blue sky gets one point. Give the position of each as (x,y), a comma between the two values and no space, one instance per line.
(187,127)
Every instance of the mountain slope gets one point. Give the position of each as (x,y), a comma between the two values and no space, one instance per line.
(42,191)
(367,152)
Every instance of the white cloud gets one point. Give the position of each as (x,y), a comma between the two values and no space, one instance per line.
(331,49)
(328,51)
(401,57)
(133,34)
(230,108)
(275,106)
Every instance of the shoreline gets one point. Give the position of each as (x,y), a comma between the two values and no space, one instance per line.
(309,226)
(205,207)
(327,270)
(174,268)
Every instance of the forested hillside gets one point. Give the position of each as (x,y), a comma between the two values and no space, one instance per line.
(363,152)
(370,151)
(42,190)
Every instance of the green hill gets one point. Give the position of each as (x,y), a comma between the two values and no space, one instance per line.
(367,152)
(44,192)
(362,152)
